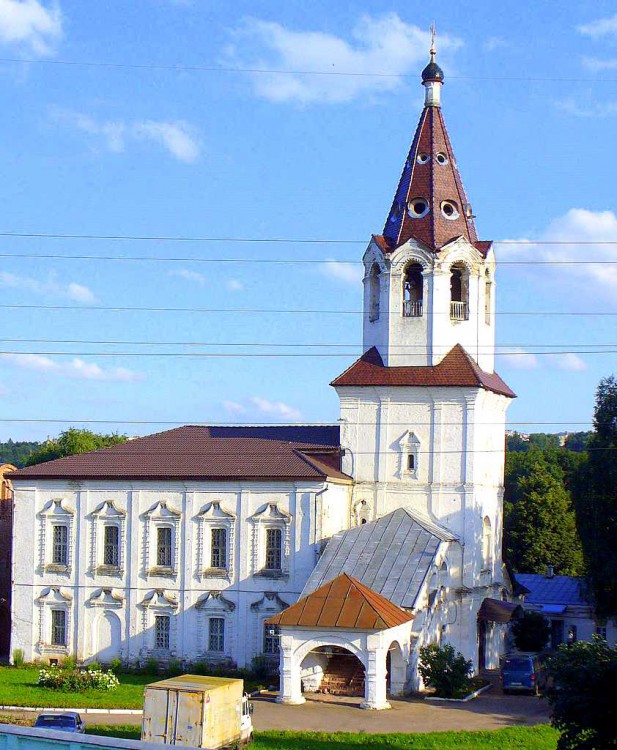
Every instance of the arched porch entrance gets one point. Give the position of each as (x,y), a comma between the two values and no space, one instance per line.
(333,670)
(396,670)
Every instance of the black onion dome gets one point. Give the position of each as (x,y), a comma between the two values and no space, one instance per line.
(432,72)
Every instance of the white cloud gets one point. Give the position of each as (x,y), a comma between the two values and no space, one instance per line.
(234,285)
(589,284)
(278,408)
(494,42)
(519,359)
(568,361)
(30,26)
(76,368)
(50,288)
(382,44)
(178,138)
(234,407)
(600,27)
(350,273)
(188,275)
(581,108)
(596,65)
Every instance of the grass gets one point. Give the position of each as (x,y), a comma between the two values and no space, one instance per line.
(541,737)
(18,688)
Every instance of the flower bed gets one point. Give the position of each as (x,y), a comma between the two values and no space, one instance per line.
(77,680)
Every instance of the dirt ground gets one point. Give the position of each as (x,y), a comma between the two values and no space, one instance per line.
(492,710)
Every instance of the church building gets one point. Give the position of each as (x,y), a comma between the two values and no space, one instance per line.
(337,549)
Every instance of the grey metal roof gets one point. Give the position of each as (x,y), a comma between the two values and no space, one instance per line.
(566,590)
(391,556)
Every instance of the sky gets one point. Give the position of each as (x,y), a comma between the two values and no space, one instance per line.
(184,121)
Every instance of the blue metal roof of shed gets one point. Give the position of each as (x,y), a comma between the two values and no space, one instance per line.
(566,590)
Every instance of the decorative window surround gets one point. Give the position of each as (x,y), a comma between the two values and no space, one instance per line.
(270,604)
(160,515)
(214,604)
(106,514)
(157,602)
(409,445)
(271,517)
(215,517)
(106,598)
(55,513)
(53,598)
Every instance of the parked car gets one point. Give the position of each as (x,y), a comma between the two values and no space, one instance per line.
(522,673)
(66,722)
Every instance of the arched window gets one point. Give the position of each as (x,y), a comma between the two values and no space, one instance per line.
(487,297)
(374,293)
(413,291)
(459,292)
(487,542)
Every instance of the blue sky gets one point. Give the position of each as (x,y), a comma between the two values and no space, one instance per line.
(151,141)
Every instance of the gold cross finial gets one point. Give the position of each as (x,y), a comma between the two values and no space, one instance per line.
(433,31)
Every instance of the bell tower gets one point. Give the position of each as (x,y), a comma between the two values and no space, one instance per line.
(429,282)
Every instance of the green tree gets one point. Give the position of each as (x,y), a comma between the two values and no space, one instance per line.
(539,521)
(596,501)
(16,452)
(445,670)
(583,676)
(531,631)
(73,441)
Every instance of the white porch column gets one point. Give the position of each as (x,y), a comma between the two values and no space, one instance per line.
(375,678)
(291,685)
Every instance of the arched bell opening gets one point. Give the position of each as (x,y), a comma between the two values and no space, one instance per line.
(459,292)
(374,292)
(413,291)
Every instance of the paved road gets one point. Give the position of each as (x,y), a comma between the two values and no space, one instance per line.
(492,710)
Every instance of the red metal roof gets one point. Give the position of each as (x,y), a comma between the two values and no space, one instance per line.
(457,368)
(424,176)
(343,602)
(193,452)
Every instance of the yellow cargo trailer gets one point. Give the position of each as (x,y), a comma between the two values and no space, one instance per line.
(196,711)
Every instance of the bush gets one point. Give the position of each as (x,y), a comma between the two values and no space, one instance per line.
(174,668)
(445,670)
(18,657)
(116,665)
(151,665)
(582,678)
(76,680)
(531,632)
(263,667)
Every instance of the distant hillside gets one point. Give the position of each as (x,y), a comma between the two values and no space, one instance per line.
(16,453)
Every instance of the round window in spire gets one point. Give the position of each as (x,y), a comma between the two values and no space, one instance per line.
(422,158)
(417,208)
(449,210)
(441,158)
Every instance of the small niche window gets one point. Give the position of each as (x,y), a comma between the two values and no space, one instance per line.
(162,629)
(449,210)
(58,627)
(409,447)
(441,158)
(60,545)
(274,549)
(164,547)
(218,549)
(411,462)
(487,542)
(459,286)
(374,292)
(413,291)
(418,207)
(271,639)
(111,546)
(487,298)
(422,158)
(216,634)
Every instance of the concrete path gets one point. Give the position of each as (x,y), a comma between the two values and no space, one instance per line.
(492,710)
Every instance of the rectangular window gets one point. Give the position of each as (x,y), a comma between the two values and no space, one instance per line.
(111,546)
(274,556)
(601,631)
(216,634)
(58,627)
(60,545)
(161,632)
(218,549)
(411,462)
(271,639)
(164,547)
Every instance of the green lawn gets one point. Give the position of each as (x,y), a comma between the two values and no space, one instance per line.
(539,737)
(18,688)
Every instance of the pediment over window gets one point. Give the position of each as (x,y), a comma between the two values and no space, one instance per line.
(158,599)
(107,598)
(214,600)
(163,511)
(271,513)
(57,507)
(269,602)
(55,595)
(214,512)
(408,440)
(108,509)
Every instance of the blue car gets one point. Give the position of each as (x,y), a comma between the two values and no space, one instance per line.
(521,673)
(66,722)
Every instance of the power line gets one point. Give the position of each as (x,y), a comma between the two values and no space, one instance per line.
(279,71)
(268,424)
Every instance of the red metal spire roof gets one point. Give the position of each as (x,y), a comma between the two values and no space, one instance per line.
(430,175)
